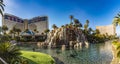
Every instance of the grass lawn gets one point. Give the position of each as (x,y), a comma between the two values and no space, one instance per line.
(37,57)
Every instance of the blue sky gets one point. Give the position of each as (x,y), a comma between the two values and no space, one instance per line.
(98,12)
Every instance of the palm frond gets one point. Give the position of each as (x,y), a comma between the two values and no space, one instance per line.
(118,47)
(118,54)
(9,51)
(118,15)
(2,8)
(1,3)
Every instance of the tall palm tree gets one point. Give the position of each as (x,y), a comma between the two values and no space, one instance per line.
(18,31)
(14,31)
(86,25)
(116,20)
(87,22)
(9,52)
(80,24)
(4,28)
(90,30)
(11,32)
(1,7)
(77,23)
(54,26)
(71,18)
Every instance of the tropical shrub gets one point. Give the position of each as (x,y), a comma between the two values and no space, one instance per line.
(9,52)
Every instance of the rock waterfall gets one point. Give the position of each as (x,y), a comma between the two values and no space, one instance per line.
(68,36)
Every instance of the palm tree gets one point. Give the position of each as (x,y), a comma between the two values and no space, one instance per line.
(77,23)
(90,30)
(4,28)
(46,31)
(97,31)
(71,23)
(14,31)
(62,26)
(87,22)
(116,21)
(9,52)
(86,25)
(36,31)
(54,26)
(71,18)
(11,32)
(18,31)
(2,7)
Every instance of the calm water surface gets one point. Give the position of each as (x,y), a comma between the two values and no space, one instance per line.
(94,54)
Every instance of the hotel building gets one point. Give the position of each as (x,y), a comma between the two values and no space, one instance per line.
(39,23)
(109,29)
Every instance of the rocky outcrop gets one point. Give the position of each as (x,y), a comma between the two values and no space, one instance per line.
(68,36)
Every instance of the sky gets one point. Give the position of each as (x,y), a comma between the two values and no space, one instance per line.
(98,12)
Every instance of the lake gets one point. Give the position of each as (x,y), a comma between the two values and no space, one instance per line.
(95,54)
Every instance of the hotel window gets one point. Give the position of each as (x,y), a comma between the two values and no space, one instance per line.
(14,19)
(18,20)
(39,19)
(29,21)
(22,21)
(10,18)
(44,19)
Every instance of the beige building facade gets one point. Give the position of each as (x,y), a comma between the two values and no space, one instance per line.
(109,29)
(39,23)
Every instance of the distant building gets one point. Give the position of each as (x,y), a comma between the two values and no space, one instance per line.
(39,23)
(109,29)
